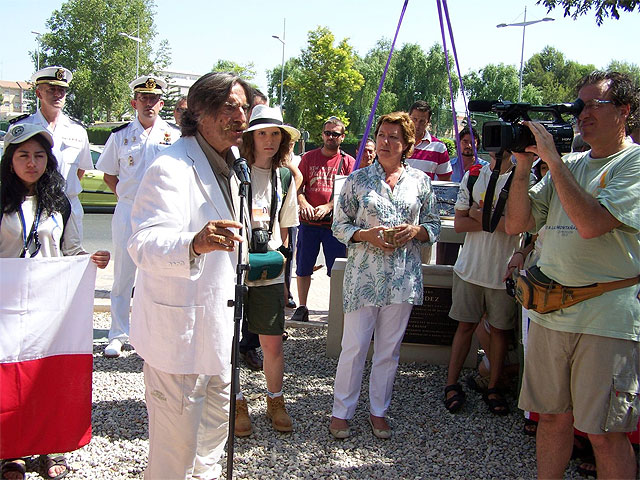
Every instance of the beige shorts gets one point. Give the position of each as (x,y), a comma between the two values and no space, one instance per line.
(471,301)
(597,378)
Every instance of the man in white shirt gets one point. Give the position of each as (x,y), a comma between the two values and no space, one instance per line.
(70,142)
(129,151)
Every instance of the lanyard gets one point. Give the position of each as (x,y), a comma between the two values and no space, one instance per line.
(33,234)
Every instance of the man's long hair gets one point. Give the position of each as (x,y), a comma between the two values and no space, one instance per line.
(207,95)
(49,187)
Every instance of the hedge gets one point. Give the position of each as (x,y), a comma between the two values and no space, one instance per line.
(98,135)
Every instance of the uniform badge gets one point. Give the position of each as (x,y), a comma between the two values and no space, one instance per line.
(130,161)
(150,83)
(60,74)
(167,138)
(17,130)
(126,141)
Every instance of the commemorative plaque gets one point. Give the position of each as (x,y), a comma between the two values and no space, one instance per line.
(429,323)
(446,195)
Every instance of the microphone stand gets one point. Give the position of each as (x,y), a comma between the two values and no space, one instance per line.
(238,304)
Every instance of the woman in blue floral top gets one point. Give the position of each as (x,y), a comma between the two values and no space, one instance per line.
(382,280)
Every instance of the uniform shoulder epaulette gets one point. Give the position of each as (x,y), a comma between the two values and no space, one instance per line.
(17,119)
(77,122)
(117,129)
(173,125)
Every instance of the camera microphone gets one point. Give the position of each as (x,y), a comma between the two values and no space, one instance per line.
(482,105)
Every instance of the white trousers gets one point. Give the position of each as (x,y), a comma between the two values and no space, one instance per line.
(389,324)
(124,273)
(77,214)
(188,424)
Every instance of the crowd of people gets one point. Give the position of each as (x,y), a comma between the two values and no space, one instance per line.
(177,226)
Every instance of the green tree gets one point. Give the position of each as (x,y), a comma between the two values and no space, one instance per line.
(326,81)
(604,9)
(632,69)
(84,36)
(371,68)
(498,82)
(292,110)
(554,76)
(247,72)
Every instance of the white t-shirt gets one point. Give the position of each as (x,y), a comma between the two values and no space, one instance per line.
(286,213)
(49,233)
(484,256)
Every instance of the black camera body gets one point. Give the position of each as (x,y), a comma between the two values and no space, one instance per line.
(509,133)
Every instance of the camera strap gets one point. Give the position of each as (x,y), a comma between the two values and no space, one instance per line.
(489,221)
(274,202)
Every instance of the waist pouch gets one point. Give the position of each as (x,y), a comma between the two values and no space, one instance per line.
(535,291)
(265,266)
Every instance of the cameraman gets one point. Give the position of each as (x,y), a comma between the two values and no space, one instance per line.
(582,365)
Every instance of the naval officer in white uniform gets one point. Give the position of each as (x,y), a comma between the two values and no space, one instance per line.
(70,142)
(129,151)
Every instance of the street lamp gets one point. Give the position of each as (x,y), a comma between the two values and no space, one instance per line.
(524,25)
(38,38)
(281,40)
(138,40)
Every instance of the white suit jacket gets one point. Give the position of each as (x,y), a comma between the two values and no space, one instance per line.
(180,321)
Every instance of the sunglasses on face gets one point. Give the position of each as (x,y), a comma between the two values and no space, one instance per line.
(328,133)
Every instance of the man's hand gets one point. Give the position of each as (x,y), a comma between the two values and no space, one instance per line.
(475,211)
(215,235)
(322,211)
(306,210)
(101,258)
(545,148)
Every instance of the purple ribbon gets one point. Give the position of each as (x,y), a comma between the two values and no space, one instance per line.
(375,102)
(464,98)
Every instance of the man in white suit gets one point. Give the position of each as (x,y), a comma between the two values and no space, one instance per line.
(183,243)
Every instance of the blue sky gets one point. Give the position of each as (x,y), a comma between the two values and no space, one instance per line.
(202,31)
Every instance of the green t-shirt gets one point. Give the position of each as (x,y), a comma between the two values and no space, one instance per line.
(574,261)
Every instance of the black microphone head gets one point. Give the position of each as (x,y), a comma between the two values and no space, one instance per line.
(242,170)
(482,105)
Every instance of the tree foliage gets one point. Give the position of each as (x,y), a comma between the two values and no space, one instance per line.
(604,8)
(247,72)
(631,69)
(553,75)
(325,82)
(84,36)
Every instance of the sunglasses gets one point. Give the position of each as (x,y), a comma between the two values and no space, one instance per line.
(328,133)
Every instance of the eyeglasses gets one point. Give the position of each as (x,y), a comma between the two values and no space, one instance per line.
(151,98)
(230,108)
(595,104)
(329,133)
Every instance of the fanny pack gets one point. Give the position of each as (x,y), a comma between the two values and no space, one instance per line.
(265,266)
(535,291)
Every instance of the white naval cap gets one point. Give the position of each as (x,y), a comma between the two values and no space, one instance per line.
(55,75)
(148,84)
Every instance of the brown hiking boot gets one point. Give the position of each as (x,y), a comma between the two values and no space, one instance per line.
(243,421)
(277,412)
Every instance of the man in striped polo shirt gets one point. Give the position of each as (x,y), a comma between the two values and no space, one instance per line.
(430,154)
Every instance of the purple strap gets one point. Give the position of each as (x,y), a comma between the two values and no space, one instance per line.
(464,98)
(375,102)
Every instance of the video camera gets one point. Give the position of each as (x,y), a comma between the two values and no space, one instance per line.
(509,134)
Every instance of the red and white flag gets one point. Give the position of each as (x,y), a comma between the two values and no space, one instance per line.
(46,361)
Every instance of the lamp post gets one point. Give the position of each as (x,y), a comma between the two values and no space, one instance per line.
(38,37)
(138,40)
(281,40)
(524,25)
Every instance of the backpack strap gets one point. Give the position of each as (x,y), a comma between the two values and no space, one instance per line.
(66,214)
(285,180)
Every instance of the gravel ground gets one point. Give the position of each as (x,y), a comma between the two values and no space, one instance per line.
(427,441)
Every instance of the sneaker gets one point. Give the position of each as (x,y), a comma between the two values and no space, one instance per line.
(252,359)
(114,349)
(301,314)
(277,412)
(242,421)
(290,303)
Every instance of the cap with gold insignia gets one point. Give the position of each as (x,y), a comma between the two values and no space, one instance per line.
(148,84)
(59,76)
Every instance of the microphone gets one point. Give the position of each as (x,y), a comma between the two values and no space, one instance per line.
(482,105)
(242,170)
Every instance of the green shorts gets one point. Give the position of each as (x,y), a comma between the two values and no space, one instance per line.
(265,309)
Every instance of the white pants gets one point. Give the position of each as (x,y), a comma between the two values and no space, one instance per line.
(77,213)
(188,424)
(124,273)
(389,324)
